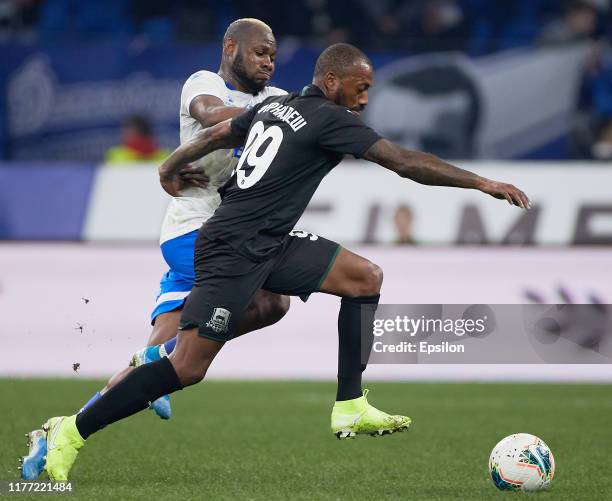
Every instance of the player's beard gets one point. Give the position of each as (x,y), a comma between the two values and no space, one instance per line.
(241,75)
(341,98)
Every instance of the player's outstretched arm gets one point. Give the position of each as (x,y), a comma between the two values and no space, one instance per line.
(174,173)
(430,170)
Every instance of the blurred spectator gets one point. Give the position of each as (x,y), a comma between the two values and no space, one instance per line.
(420,25)
(303,19)
(82,20)
(137,143)
(386,16)
(503,24)
(197,21)
(591,135)
(477,27)
(18,18)
(402,220)
(580,22)
(342,21)
(602,149)
(152,19)
(321,21)
(440,26)
(480,26)
(601,88)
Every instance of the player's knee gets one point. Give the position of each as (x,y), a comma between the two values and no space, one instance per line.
(375,279)
(371,280)
(190,374)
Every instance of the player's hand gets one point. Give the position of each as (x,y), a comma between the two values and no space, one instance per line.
(194,176)
(511,193)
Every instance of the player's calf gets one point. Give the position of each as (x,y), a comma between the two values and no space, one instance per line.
(192,356)
(165,327)
(160,406)
(149,354)
(358,281)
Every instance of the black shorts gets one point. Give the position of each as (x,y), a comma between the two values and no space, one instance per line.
(226,281)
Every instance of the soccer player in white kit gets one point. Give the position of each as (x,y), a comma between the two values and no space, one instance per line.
(207,98)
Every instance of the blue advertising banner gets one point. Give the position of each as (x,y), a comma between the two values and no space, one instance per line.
(66,102)
(44,202)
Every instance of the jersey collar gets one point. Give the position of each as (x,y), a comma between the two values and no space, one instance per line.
(312,90)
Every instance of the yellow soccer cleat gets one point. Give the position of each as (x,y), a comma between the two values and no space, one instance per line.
(355,417)
(63,444)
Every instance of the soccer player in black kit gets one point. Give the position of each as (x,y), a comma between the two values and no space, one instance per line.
(290,143)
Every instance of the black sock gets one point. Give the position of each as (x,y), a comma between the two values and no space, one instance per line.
(356,314)
(142,386)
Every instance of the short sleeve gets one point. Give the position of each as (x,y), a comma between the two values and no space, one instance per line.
(274,91)
(240,124)
(202,83)
(345,133)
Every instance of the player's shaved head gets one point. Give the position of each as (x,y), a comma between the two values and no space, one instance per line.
(249,49)
(340,59)
(344,74)
(243,29)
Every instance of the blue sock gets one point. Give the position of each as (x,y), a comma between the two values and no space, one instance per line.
(169,345)
(91,401)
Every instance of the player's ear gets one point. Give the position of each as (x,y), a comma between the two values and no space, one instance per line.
(229,47)
(332,83)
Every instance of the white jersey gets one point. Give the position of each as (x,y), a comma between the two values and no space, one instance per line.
(195,205)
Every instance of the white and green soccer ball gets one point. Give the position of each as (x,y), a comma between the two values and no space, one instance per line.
(521,462)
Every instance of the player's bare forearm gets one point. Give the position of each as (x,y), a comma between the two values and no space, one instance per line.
(210,110)
(202,143)
(421,167)
(428,169)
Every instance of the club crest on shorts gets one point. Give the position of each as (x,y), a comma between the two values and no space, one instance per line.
(219,322)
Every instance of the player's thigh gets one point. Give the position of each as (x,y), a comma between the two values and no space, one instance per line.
(175,285)
(303,265)
(225,285)
(352,275)
(268,307)
(178,254)
(165,328)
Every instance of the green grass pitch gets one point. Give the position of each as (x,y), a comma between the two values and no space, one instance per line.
(271,440)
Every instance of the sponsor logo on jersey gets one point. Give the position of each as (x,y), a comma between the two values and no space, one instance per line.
(219,322)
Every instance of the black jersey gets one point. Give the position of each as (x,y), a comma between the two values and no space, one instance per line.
(292,142)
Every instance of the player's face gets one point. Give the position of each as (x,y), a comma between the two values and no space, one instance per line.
(254,61)
(353,89)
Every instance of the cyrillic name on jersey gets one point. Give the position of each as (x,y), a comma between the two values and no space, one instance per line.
(285,113)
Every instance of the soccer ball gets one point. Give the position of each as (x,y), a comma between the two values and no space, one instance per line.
(521,462)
